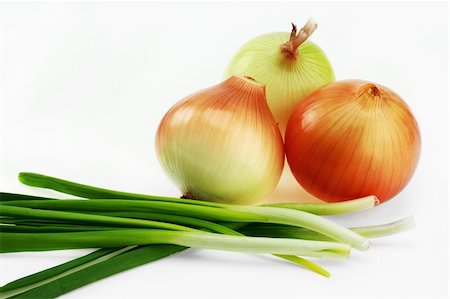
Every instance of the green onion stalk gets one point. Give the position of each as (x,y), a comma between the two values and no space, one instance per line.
(16,242)
(86,191)
(148,219)
(96,219)
(105,262)
(231,214)
(193,208)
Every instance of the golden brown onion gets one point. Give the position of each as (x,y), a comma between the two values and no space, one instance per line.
(351,139)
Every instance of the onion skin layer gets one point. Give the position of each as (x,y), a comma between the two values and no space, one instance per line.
(351,139)
(222,144)
(288,79)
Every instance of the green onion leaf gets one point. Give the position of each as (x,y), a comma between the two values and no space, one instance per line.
(77,273)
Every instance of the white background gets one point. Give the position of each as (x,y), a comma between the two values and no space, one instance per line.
(84,85)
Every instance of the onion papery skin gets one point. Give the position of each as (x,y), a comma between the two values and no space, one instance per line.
(288,79)
(351,139)
(222,144)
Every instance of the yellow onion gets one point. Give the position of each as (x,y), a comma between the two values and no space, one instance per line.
(222,144)
(351,139)
(288,64)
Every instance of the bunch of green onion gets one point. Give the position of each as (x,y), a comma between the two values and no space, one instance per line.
(134,229)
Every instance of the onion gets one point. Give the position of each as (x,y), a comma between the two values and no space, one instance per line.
(351,139)
(222,144)
(290,66)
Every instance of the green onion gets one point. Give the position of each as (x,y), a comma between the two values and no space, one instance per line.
(97,219)
(76,224)
(309,221)
(183,220)
(6,210)
(232,213)
(204,212)
(68,187)
(15,242)
(286,231)
(31,227)
(53,283)
(4,196)
(58,280)
(69,276)
(86,191)
(382,230)
(32,279)
(26,221)
(252,229)
(334,208)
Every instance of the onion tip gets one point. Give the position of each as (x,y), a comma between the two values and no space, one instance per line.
(376,201)
(364,246)
(408,223)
